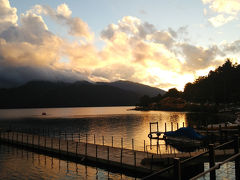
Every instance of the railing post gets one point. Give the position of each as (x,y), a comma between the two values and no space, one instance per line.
(12,136)
(94,139)
(220,132)
(67,146)
(96,152)
(45,142)
(112,141)
(177,169)
(237,162)
(38,141)
(32,140)
(135,159)
(238,130)
(144,146)
(86,145)
(85,149)
(121,143)
(51,143)
(121,156)
(171,126)
(108,154)
(76,149)
(165,127)
(150,128)
(103,140)
(59,144)
(212,161)
(132,144)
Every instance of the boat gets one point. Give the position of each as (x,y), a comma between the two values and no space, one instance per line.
(184,139)
(226,125)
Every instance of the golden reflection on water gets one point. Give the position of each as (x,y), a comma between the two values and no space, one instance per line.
(20,164)
(133,128)
(107,123)
(176,119)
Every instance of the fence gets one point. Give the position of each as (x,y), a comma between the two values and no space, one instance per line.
(177,166)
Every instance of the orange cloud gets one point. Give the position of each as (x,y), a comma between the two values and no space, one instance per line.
(133,50)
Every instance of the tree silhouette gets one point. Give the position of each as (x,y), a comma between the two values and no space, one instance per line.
(219,86)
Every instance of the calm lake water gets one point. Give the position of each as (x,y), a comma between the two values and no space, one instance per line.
(103,122)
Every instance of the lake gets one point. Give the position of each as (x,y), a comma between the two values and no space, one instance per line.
(103,123)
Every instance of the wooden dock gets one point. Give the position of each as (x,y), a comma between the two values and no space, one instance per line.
(116,158)
(125,159)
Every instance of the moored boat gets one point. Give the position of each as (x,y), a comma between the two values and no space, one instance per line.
(184,138)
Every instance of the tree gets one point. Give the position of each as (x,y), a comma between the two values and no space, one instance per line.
(219,86)
(173,92)
(145,101)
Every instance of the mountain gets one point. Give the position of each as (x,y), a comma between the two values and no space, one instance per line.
(60,94)
(138,88)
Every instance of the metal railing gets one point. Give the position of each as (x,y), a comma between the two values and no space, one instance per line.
(177,165)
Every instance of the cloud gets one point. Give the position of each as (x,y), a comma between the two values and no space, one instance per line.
(129,25)
(197,57)
(8,15)
(133,50)
(227,11)
(113,72)
(222,6)
(205,11)
(13,76)
(29,51)
(162,37)
(220,20)
(32,30)
(64,10)
(233,47)
(138,42)
(77,27)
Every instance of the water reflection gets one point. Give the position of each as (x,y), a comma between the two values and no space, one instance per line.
(30,165)
(112,123)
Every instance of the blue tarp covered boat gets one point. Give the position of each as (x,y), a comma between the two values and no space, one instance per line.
(186,132)
(184,139)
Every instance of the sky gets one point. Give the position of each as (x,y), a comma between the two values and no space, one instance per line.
(164,44)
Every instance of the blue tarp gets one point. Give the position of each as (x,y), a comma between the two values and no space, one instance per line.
(187,132)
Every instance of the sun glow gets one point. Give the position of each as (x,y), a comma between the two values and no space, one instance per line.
(164,76)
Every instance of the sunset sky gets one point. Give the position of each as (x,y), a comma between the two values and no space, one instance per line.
(159,43)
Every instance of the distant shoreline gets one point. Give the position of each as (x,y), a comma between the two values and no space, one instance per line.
(63,107)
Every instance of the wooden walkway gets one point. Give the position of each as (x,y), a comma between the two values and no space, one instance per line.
(107,156)
(80,151)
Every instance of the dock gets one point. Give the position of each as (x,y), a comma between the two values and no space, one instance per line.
(113,158)
(82,152)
